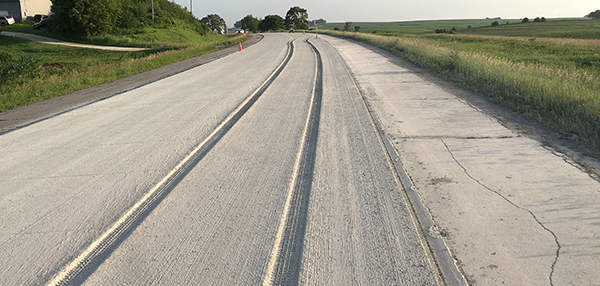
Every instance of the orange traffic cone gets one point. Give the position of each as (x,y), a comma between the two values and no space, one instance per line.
(240,46)
(317,35)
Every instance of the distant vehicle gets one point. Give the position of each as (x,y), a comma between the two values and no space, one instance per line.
(6,20)
(39,17)
(42,24)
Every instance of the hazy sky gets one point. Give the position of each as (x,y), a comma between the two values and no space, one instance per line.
(398,10)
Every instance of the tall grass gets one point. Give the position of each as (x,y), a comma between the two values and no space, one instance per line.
(564,98)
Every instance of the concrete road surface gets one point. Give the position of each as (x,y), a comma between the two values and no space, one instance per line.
(277,166)
(511,210)
(68,182)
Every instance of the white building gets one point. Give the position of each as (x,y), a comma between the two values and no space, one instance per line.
(21,9)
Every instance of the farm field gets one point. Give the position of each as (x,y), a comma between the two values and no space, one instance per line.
(553,80)
(411,27)
(572,28)
(580,28)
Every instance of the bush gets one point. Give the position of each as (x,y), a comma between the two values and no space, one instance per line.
(525,20)
(11,68)
(594,15)
(443,31)
(93,17)
(85,17)
(495,23)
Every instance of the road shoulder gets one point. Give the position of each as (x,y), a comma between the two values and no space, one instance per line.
(510,208)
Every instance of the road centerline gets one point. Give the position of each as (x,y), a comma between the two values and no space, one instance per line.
(285,260)
(84,264)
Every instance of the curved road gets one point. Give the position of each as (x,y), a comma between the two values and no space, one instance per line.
(284,164)
(69,181)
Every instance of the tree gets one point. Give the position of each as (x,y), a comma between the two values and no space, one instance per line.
(297,18)
(215,23)
(537,20)
(238,24)
(525,20)
(543,19)
(249,23)
(271,23)
(495,23)
(85,17)
(347,26)
(594,15)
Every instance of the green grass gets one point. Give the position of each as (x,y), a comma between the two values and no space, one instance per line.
(413,27)
(578,28)
(63,69)
(575,28)
(556,85)
(530,51)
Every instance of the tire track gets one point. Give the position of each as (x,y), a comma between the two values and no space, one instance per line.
(87,262)
(286,256)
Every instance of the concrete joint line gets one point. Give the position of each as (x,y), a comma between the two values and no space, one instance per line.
(443,264)
(558,247)
(286,255)
(85,263)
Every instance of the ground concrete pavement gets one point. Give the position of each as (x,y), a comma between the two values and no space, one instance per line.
(66,179)
(71,180)
(511,210)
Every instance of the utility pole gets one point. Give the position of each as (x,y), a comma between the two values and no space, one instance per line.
(152,3)
(191,7)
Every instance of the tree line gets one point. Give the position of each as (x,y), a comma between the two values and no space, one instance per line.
(93,17)
(295,17)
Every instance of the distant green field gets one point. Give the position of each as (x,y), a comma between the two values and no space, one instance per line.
(414,27)
(579,28)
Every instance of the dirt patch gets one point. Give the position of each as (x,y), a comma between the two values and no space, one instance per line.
(54,67)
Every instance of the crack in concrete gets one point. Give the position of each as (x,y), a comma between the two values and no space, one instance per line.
(515,205)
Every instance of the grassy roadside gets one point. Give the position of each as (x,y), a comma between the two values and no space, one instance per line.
(57,70)
(562,92)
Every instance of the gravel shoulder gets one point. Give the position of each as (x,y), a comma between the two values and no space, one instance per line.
(504,192)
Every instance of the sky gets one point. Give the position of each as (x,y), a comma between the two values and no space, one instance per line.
(393,10)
